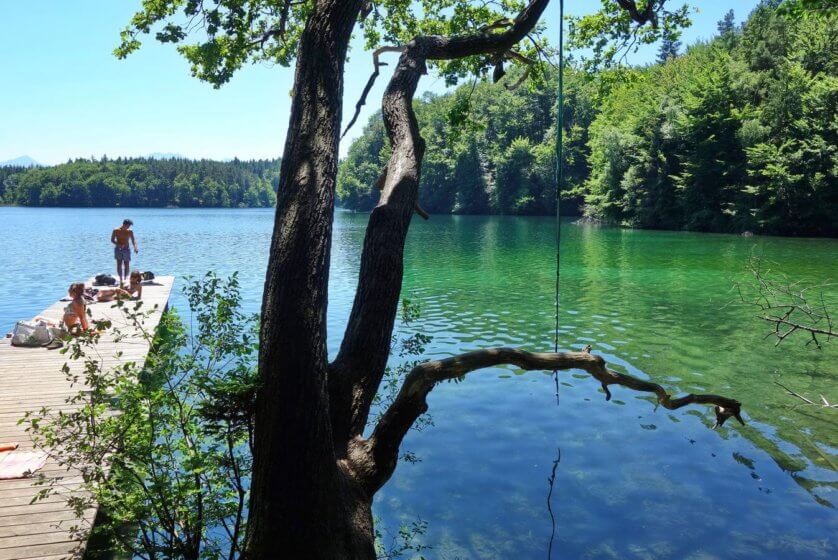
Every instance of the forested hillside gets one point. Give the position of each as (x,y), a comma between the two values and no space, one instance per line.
(738,134)
(143,182)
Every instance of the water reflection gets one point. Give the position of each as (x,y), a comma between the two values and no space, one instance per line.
(551,481)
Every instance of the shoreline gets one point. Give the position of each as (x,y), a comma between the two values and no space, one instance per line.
(572,219)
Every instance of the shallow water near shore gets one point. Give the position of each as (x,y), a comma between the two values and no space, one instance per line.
(633,480)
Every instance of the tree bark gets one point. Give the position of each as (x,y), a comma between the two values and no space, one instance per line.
(302,503)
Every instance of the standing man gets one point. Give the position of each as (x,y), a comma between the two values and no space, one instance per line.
(120,237)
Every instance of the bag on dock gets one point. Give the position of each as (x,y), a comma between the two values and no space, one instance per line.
(104,280)
(147,275)
(29,333)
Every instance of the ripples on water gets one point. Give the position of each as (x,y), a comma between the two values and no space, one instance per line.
(634,481)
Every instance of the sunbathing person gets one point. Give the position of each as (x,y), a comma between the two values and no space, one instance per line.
(135,284)
(112,294)
(75,313)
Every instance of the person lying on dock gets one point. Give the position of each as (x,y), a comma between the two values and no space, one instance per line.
(110,295)
(75,313)
(135,286)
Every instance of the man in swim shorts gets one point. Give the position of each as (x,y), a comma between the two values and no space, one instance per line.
(121,237)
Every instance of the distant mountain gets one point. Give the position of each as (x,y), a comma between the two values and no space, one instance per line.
(165,155)
(22,161)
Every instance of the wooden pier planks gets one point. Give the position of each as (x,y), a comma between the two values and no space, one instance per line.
(29,379)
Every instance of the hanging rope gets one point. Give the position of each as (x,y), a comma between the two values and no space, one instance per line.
(559,181)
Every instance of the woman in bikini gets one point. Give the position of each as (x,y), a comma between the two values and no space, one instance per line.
(75,313)
(135,285)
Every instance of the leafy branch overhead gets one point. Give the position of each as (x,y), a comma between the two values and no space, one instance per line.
(219,37)
(621,27)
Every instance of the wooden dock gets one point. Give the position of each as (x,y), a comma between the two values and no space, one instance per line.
(31,378)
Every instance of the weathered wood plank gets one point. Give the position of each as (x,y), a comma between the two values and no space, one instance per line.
(63,516)
(27,552)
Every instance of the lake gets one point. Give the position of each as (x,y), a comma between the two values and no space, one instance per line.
(633,480)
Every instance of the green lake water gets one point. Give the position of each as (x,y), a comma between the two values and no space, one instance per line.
(633,480)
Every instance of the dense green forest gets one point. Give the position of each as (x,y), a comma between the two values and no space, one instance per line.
(737,134)
(143,182)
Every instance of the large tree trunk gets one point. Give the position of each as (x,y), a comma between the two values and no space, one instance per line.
(314,474)
(302,504)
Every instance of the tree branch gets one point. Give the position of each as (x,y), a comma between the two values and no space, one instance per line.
(786,305)
(437,47)
(411,402)
(279,30)
(377,64)
(824,403)
(356,373)
(646,15)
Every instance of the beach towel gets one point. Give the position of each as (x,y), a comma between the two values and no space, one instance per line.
(20,464)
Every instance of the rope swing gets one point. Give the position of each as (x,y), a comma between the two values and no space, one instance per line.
(559,181)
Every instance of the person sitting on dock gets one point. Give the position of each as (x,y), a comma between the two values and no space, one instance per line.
(75,313)
(121,237)
(135,284)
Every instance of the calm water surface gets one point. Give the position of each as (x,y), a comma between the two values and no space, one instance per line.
(633,481)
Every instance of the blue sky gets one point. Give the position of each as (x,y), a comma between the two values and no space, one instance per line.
(64,95)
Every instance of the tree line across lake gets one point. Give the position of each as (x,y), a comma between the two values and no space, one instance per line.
(142,182)
(738,134)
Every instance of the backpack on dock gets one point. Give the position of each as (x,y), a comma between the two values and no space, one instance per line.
(104,280)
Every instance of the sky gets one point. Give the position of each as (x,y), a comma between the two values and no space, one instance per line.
(64,95)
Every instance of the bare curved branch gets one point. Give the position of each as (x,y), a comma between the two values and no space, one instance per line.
(377,64)
(411,401)
(521,79)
